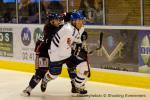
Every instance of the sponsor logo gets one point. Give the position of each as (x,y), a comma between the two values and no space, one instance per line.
(117,51)
(26,36)
(5,37)
(145,49)
(37,34)
(6,44)
(111,49)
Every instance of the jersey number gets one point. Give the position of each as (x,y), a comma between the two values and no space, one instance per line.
(43,62)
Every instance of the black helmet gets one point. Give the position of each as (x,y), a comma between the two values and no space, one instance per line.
(61,16)
(67,16)
(52,16)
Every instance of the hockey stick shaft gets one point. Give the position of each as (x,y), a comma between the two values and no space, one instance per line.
(101,39)
(89,70)
(100,44)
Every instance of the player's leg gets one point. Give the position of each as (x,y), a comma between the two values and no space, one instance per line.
(43,75)
(71,68)
(33,82)
(54,70)
(41,65)
(72,63)
(81,78)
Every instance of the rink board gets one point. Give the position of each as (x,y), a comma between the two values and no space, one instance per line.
(17,53)
(113,77)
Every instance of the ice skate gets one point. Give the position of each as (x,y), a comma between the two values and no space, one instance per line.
(27,91)
(81,90)
(73,88)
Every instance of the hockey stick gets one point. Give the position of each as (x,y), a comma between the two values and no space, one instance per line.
(100,44)
(88,64)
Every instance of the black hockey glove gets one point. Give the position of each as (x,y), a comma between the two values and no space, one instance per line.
(80,51)
(84,36)
(83,54)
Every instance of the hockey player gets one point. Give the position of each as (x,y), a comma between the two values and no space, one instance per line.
(61,46)
(41,50)
(79,60)
(71,67)
(79,55)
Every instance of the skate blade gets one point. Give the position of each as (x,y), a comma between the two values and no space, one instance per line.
(24,94)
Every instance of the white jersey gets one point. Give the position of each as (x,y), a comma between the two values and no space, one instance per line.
(61,43)
(78,40)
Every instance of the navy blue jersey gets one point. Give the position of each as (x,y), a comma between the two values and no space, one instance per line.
(43,46)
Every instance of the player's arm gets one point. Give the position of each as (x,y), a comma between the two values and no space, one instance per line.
(80,49)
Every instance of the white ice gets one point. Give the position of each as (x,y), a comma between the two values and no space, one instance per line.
(12,84)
